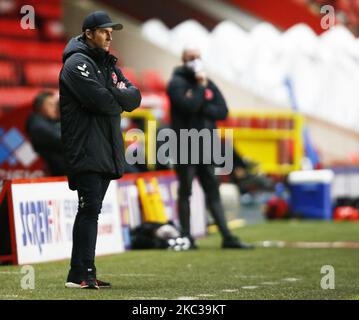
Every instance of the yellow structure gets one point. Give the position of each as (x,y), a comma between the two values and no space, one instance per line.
(153,209)
(150,124)
(262,135)
(272,138)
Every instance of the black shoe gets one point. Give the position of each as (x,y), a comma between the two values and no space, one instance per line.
(193,245)
(85,284)
(103,284)
(235,243)
(80,279)
(88,284)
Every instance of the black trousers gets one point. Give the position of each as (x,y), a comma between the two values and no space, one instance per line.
(91,190)
(210,186)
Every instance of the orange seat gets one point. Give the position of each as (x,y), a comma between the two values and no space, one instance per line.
(40,74)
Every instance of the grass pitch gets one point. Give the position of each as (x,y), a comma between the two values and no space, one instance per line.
(213,273)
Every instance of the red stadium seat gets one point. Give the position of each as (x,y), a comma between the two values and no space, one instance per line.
(130,74)
(343,5)
(8,73)
(16,97)
(152,81)
(46,9)
(41,2)
(53,30)
(12,28)
(42,74)
(31,50)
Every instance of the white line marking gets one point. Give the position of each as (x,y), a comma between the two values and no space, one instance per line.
(249,287)
(270,283)
(230,290)
(290,279)
(242,276)
(309,245)
(271,244)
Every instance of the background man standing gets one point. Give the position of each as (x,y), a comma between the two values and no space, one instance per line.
(197,103)
(93,94)
(44,130)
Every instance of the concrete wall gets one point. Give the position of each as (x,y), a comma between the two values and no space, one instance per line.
(334,142)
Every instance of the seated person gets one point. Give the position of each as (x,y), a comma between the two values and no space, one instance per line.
(43,128)
(246,176)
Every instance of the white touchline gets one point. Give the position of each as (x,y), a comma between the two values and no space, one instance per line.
(230,290)
(291,279)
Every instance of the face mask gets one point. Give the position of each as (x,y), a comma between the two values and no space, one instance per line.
(195,65)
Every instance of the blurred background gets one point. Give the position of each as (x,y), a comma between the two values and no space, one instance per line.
(288,77)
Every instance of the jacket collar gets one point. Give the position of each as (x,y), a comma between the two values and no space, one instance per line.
(101,56)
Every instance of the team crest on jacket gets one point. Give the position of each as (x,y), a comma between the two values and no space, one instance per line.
(114,77)
(208,94)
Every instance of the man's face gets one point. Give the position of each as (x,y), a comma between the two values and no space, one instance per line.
(101,38)
(190,54)
(50,108)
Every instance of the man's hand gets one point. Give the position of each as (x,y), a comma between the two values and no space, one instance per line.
(121,85)
(202,78)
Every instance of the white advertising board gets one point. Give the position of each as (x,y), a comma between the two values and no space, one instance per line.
(44,214)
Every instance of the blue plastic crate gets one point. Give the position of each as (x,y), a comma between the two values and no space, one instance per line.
(310,194)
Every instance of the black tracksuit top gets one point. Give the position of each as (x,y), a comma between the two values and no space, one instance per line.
(194,106)
(91,108)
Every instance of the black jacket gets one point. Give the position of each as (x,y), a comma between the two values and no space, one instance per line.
(91,108)
(192,105)
(45,136)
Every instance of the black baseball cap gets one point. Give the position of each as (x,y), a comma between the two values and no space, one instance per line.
(100,19)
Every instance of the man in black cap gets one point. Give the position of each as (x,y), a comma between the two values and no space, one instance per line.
(93,94)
